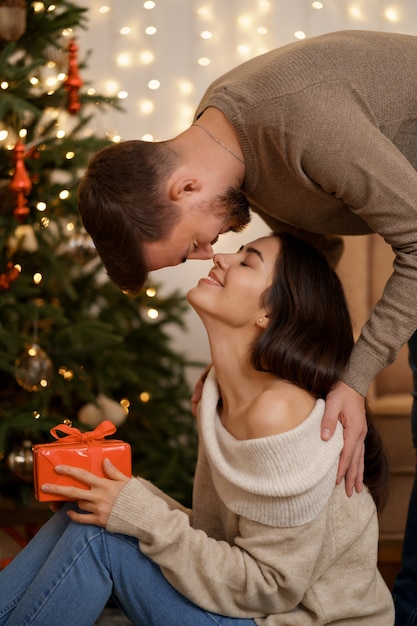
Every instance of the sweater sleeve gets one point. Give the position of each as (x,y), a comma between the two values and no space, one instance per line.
(350,158)
(246,579)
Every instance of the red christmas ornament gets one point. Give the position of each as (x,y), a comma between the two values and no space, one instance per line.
(21,183)
(73,82)
(8,277)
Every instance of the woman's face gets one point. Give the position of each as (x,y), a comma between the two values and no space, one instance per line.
(233,290)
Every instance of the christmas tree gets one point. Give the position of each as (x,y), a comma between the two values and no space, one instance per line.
(72,346)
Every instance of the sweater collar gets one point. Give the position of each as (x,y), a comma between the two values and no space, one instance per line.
(282,480)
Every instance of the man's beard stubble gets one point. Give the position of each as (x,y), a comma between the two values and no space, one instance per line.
(235,207)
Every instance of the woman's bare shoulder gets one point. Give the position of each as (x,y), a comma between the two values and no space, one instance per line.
(277,409)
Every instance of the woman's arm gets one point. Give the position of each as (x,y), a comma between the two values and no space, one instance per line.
(267,570)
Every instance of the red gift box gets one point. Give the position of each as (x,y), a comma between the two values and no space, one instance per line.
(85,450)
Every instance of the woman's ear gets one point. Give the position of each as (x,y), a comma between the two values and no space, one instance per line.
(262,321)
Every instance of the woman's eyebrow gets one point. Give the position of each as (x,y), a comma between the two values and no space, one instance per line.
(251,249)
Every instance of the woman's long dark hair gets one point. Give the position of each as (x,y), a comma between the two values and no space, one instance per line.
(309,338)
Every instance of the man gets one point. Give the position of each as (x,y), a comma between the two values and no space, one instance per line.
(321,137)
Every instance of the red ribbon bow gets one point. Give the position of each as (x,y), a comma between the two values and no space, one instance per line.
(73,434)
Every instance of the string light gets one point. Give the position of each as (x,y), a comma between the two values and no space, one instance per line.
(124,59)
(66,373)
(146,57)
(125,404)
(391,15)
(154,84)
(146,106)
(355,12)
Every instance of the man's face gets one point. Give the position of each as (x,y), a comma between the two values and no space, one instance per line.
(198,230)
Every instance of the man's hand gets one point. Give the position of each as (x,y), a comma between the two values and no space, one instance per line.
(98,500)
(347,405)
(198,390)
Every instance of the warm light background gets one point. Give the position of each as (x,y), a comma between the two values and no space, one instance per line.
(160,56)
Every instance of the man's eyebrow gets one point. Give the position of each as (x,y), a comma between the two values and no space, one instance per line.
(251,249)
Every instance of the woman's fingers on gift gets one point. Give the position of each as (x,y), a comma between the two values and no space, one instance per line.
(112,472)
(76,472)
(71,493)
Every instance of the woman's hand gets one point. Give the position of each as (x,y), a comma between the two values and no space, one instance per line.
(98,500)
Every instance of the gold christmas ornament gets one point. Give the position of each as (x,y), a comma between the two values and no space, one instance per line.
(80,247)
(20,461)
(34,368)
(12,19)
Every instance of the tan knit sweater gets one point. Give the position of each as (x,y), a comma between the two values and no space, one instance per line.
(270,537)
(328,128)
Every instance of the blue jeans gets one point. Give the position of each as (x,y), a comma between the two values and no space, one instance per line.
(69,571)
(405,586)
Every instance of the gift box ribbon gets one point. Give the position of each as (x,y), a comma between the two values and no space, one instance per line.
(75,435)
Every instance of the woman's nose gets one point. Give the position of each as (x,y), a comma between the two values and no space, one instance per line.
(221,260)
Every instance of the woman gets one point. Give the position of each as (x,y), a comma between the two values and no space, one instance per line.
(271,539)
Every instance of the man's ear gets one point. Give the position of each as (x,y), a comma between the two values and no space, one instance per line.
(180,187)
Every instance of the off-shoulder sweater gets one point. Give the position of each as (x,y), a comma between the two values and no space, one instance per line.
(270,537)
(328,129)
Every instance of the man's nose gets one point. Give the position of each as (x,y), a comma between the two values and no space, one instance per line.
(203,252)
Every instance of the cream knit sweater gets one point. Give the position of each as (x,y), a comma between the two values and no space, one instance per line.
(328,128)
(270,536)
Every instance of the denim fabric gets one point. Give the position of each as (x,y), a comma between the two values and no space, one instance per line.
(69,571)
(405,586)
